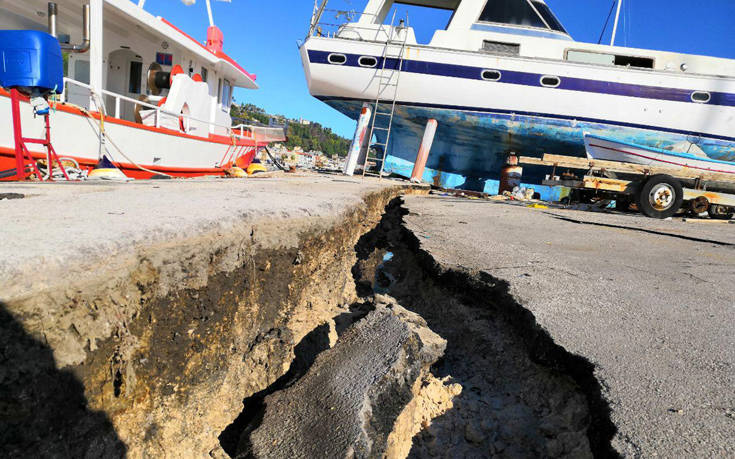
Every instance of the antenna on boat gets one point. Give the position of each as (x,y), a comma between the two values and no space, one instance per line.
(615,27)
(211,19)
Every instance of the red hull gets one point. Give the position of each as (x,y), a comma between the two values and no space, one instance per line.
(232,148)
(7,162)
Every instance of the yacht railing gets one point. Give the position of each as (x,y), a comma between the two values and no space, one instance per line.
(351,21)
(241,131)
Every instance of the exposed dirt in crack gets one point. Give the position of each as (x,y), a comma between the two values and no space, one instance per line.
(163,352)
(522,395)
(503,387)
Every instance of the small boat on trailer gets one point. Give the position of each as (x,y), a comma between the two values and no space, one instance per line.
(659,190)
(608,149)
(137,89)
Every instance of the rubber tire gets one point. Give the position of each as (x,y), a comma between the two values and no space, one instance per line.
(645,206)
(715,216)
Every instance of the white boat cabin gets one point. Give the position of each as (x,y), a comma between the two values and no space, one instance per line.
(523,28)
(127,45)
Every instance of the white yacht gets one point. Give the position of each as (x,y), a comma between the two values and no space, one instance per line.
(505,76)
(162,96)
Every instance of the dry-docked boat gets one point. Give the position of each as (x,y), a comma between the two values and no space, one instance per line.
(505,76)
(164,97)
(608,149)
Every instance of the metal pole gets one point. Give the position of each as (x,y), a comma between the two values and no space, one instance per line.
(52,13)
(17,134)
(96,52)
(615,28)
(141,3)
(209,12)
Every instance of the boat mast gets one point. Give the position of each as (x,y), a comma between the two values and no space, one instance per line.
(615,28)
(96,52)
(209,12)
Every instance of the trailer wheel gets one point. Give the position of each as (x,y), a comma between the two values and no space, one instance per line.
(720,212)
(622,204)
(661,196)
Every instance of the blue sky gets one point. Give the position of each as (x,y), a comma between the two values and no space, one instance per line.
(262,36)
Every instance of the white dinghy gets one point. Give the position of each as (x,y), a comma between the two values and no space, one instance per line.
(608,149)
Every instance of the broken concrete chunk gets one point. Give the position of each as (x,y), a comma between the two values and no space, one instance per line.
(348,402)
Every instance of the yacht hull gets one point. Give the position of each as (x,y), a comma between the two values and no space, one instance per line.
(481,121)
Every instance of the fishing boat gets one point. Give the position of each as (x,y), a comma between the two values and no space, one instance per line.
(505,76)
(137,90)
(608,149)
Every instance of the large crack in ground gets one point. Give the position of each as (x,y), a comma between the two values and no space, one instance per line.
(521,394)
(172,373)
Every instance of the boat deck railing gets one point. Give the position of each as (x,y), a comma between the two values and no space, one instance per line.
(249,132)
(344,21)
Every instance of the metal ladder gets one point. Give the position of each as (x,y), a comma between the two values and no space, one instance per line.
(386,82)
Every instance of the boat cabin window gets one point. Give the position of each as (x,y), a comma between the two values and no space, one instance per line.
(136,73)
(204,74)
(424,20)
(588,57)
(81,71)
(516,12)
(337,59)
(632,61)
(491,75)
(550,81)
(549,17)
(701,97)
(367,61)
(226,94)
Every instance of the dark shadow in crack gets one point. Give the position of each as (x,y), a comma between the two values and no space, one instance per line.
(235,439)
(357,312)
(491,299)
(43,410)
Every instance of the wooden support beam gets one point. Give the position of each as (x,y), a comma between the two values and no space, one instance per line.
(572,162)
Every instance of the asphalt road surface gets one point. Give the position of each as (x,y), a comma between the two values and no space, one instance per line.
(651,303)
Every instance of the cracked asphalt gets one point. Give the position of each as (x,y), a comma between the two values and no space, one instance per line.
(650,303)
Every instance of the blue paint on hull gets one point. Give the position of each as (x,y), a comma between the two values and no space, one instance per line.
(470,147)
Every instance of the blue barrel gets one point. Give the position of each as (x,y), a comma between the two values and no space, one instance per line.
(32,62)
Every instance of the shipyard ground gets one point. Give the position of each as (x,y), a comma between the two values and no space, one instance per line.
(224,318)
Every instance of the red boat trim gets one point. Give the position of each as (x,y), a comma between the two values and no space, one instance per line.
(213,138)
(7,161)
(660,160)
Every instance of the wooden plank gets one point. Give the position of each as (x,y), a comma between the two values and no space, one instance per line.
(714,197)
(705,221)
(600,183)
(572,162)
(533,161)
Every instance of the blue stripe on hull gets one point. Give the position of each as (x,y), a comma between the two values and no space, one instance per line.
(470,147)
(534,79)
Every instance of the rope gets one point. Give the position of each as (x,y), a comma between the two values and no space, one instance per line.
(275,161)
(109,139)
(607,21)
